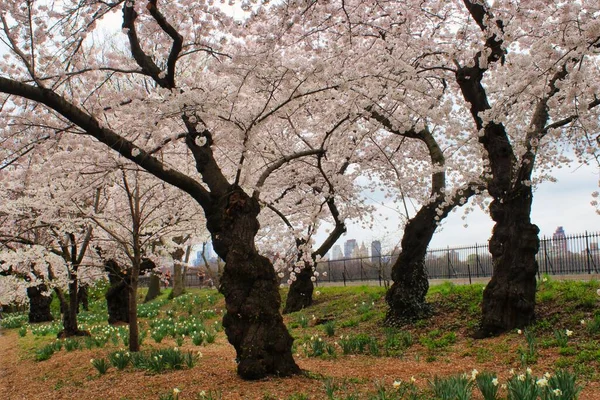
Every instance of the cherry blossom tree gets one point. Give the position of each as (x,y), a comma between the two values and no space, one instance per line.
(513,81)
(47,238)
(303,203)
(171,100)
(138,210)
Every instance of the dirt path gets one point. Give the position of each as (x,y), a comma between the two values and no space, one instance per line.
(8,359)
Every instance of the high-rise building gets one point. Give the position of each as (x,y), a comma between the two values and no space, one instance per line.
(349,247)
(375,251)
(362,251)
(336,252)
(559,241)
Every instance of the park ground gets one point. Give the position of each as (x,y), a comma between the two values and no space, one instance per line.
(438,347)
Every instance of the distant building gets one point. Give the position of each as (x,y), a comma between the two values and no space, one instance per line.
(559,241)
(362,251)
(350,248)
(375,251)
(336,252)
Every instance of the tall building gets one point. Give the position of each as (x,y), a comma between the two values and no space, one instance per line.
(362,251)
(375,251)
(336,252)
(559,241)
(349,247)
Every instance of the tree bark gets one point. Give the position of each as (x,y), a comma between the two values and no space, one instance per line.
(134,334)
(82,298)
(249,283)
(39,305)
(153,288)
(509,298)
(301,291)
(406,296)
(117,295)
(178,288)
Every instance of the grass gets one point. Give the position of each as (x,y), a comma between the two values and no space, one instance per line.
(352,328)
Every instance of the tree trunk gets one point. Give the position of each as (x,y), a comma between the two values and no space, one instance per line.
(153,288)
(69,306)
(117,295)
(177,279)
(406,296)
(39,305)
(249,283)
(301,291)
(509,297)
(82,298)
(134,344)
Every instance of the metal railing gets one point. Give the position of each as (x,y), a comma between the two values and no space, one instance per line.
(568,255)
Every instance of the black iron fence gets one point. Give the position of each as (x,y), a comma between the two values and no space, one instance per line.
(566,255)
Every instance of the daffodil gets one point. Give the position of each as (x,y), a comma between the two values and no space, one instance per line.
(542,382)
(397,384)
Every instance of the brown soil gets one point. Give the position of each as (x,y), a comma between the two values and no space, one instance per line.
(69,375)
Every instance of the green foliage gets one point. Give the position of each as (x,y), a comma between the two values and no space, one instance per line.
(562,385)
(329,328)
(13,321)
(359,343)
(72,344)
(528,354)
(456,387)
(436,340)
(593,326)
(211,395)
(119,359)
(562,337)
(100,364)
(487,383)
(302,320)
(23,331)
(317,347)
(44,353)
(523,387)
(331,386)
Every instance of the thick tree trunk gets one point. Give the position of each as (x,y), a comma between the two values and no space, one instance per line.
(509,298)
(39,305)
(153,288)
(406,296)
(117,295)
(249,283)
(301,291)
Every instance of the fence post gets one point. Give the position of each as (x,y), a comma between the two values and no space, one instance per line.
(329,269)
(545,255)
(469,272)
(448,260)
(361,270)
(587,253)
(344,273)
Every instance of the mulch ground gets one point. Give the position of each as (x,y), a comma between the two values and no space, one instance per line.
(69,375)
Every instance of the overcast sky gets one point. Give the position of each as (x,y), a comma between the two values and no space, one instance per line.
(564,203)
